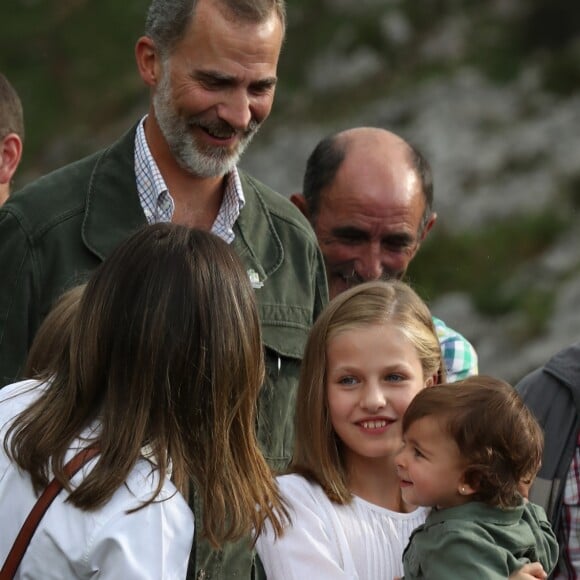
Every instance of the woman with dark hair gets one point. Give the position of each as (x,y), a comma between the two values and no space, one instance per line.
(161,375)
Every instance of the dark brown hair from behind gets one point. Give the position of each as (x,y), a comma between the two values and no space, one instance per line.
(497,435)
(165,352)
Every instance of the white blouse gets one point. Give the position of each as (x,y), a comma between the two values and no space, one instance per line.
(328,541)
(152,543)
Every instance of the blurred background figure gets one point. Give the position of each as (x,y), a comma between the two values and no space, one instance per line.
(552,392)
(11,135)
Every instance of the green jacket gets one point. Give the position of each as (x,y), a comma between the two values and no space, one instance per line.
(476,540)
(59,228)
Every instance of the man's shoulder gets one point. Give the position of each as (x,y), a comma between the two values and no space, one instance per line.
(558,378)
(562,368)
(51,199)
(279,208)
(60,195)
(61,175)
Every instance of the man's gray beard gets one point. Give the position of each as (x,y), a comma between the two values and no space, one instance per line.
(210,161)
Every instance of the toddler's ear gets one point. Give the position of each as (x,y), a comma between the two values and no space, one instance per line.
(466,489)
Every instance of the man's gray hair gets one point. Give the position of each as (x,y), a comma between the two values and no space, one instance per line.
(11,115)
(167,20)
(325,161)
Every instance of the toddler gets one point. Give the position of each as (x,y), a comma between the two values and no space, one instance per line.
(468,447)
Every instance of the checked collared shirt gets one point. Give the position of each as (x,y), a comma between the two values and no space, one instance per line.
(157,203)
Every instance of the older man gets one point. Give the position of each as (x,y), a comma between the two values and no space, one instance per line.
(369,197)
(211,69)
(11,135)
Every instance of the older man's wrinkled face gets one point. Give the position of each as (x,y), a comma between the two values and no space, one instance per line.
(369,225)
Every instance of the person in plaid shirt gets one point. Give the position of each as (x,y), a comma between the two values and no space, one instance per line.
(459,356)
(369,197)
(552,392)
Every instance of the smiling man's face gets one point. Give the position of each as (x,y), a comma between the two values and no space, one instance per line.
(216,89)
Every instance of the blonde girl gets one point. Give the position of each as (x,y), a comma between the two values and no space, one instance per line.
(369,353)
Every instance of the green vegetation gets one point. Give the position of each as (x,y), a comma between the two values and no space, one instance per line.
(72,63)
(72,60)
(482,263)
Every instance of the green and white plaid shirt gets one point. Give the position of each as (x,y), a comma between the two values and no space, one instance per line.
(458,353)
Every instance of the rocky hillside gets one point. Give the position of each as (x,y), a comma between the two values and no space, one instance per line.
(488,90)
(490,94)
(503,264)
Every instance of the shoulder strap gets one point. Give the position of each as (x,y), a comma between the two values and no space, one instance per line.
(36,514)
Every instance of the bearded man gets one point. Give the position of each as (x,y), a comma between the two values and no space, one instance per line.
(211,69)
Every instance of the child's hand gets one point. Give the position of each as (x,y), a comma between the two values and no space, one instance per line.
(531,571)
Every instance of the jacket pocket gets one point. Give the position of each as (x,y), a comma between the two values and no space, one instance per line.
(284,346)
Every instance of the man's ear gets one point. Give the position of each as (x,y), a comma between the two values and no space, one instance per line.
(148,61)
(300,202)
(10,155)
(430,223)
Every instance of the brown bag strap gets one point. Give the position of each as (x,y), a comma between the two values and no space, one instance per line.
(29,527)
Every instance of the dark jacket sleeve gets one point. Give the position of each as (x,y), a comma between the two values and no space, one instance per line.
(18,315)
(551,401)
